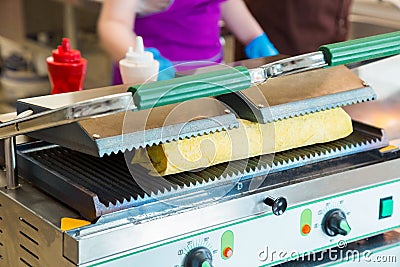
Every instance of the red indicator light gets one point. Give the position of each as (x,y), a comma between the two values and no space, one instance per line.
(228,252)
(306,229)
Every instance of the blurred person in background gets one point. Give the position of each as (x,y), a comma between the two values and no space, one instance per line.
(179,31)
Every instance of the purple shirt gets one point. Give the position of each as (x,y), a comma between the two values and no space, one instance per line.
(187,31)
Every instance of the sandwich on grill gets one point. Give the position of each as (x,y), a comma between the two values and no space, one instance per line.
(249,140)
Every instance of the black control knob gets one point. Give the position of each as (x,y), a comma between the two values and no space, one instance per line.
(335,223)
(199,257)
(278,205)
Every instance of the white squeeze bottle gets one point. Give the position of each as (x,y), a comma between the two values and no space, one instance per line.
(138,66)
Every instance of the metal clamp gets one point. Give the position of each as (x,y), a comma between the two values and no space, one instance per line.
(288,66)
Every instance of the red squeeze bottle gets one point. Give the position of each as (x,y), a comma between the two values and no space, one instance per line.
(66,69)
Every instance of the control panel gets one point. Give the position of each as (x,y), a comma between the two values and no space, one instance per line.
(281,234)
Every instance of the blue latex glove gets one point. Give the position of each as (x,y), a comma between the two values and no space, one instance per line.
(166,70)
(260,46)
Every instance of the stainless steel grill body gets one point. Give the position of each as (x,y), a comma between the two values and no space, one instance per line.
(161,224)
(132,238)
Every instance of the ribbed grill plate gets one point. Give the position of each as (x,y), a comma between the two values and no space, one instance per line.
(95,186)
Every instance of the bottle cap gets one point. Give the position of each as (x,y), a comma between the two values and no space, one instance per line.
(138,55)
(65,54)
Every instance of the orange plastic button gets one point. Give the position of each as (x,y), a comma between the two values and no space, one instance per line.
(306,229)
(228,252)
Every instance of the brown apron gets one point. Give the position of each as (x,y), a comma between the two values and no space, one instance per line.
(301,26)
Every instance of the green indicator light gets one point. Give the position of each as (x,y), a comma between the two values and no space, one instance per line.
(386,207)
(345,226)
(206,264)
(305,222)
(227,244)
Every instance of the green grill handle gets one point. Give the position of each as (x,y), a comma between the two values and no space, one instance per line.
(177,90)
(357,50)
